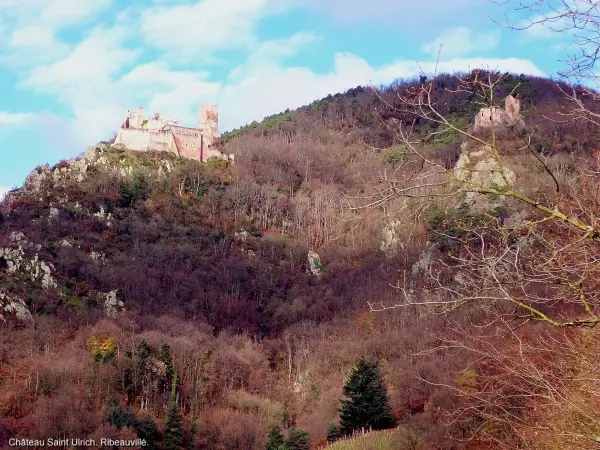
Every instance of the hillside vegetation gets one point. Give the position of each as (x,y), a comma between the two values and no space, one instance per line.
(141,293)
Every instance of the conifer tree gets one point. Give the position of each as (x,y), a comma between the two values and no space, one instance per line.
(166,358)
(367,400)
(333,433)
(297,440)
(142,350)
(173,431)
(275,441)
(146,429)
(191,438)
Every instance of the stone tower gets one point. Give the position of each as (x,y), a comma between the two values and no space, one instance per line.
(208,123)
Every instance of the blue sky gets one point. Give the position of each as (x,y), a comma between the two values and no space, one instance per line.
(70,68)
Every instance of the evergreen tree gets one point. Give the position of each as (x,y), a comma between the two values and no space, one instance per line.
(191,438)
(297,440)
(275,441)
(146,429)
(119,417)
(367,403)
(173,433)
(166,358)
(142,350)
(333,433)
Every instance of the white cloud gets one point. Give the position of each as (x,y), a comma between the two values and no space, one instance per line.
(33,44)
(30,27)
(90,64)
(461,41)
(406,69)
(276,50)
(3,191)
(84,81)
(54,13)
(14,119)
(62,13)
(203,27)
(175,93)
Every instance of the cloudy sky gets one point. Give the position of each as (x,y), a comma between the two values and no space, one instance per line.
(70,68)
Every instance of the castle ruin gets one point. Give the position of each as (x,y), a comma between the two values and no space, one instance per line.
(508,116)
(142,133)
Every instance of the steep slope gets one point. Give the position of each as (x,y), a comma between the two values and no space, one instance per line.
(250,282)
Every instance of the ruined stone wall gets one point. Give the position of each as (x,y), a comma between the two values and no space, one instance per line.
(500,117)
(188,144)
(188,141)
(137,120)
(142,140)
(488,117)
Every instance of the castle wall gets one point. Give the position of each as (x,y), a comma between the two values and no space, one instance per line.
(142,140)
(163,133)
(189,146)
(498,117)
(488,117)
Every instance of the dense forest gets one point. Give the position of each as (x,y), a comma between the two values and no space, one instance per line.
(215,305)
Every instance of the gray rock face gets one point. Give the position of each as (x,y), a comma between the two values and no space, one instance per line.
(17,260)
(37,177)
(15,306)
(315,265)
(76,168)
(391,237)
(481,169)
(243,235)
(112,306)
(106,217)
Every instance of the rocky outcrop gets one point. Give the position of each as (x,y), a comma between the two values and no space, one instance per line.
(104,216)
(97,158)
(111,304)
(16,259)
(11,305)
(76,169)
(314,262)
(482,168)
(391,240)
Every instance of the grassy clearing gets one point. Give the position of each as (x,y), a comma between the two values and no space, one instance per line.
(395,439)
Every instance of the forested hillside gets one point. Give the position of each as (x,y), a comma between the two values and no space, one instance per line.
(202,305)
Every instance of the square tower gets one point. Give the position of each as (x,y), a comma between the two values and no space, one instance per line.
(208,123)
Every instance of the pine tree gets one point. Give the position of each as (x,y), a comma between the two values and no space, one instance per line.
(333,433)
(146,429)
(275,441)
(367,403)
(297,440)
(173,433)
(191,439)
(166,358)
(142,350)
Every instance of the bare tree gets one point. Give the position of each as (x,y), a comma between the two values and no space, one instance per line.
(544,267)
(579,19)
(523,389)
